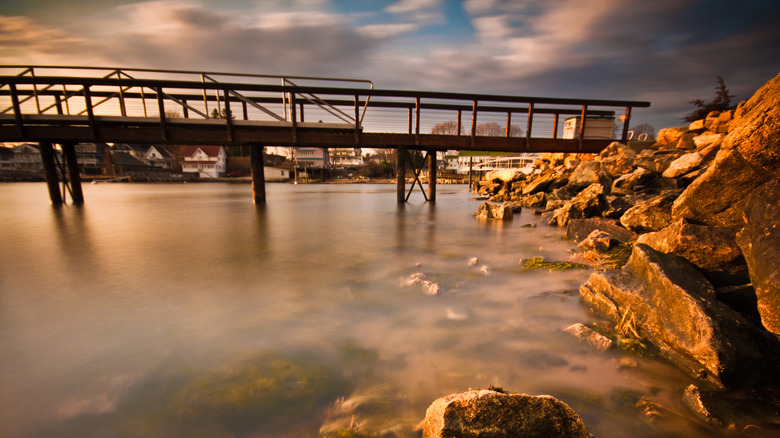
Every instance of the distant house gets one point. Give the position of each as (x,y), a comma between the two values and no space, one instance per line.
(90,157)
(345,157)
(125,164)
(312,158)
(160,158)
(135,150)
(24,158)
(204,161)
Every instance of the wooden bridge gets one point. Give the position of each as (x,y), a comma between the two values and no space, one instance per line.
(67,105)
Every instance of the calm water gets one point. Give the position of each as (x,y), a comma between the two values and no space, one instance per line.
(183,310)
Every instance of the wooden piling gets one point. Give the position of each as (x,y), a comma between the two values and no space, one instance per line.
(50,170)
(258,173)
(432,176)
(400,174)
(69,150)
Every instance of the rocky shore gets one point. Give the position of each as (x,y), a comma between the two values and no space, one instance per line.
(686,234)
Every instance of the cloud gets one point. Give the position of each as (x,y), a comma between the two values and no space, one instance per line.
(422,11)
(25,41)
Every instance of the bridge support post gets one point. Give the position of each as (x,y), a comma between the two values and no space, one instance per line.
(432,176)
(400,174)
(258,173)
(69,149)
(50,169)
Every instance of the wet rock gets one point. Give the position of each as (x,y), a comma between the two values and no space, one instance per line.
(579,229)
(673,306)
(629,182)
(708,406)
(718,196)
(585,333)
(538,184)
(591,201)
(428,287)
(486,413)
(599,241)
(586,173)
(651,215)
(617,206)
(494,211)
(535,200)
(617,159)
(760,243)
(683,165)
(505,175)
(713,250)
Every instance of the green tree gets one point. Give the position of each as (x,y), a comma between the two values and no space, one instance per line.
(722,102)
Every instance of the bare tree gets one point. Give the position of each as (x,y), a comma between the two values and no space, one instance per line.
(449,127)
(493,129)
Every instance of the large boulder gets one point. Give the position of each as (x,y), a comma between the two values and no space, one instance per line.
(591,201)
(489,210)
(718,196)
(760,243)
(755,129)
(586,173)
(505,175)
(650,215)
(681,166)
(630,182)
(674,307)
(487,413)
(617,159)
(579,229)
(711,249)
(670,136)
(749,156)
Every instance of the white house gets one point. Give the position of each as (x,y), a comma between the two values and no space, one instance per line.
(158,156)
(205,161)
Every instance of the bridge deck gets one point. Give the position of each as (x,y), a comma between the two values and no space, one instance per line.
(67,105)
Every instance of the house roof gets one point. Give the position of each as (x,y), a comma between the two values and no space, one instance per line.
(211,151)
(125,159)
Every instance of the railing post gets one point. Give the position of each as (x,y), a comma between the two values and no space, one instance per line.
(627,120)
(293,117)
(410,120)
(228,117)
(357,119)
(459,124)
(69,150)
(90,111)
(417,121)
(50,169)
(583,117)
(161,109)
(474,123)
(400,173)
(529,125)
(258,173)
(555,126)
(508,122)
(17,109)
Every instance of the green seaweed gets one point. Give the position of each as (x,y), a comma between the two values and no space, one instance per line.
(539,262)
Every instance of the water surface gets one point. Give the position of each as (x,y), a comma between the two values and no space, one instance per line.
(170,310)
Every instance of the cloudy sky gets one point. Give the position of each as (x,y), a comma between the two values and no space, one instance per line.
(666,51)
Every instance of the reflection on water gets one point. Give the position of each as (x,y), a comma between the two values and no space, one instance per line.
(184,310)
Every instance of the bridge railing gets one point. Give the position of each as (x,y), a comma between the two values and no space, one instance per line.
(68,97)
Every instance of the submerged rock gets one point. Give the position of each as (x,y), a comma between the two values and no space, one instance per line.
(487,413)
(595,339)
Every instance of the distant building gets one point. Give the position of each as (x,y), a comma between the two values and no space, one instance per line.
(161,158)
(345,157)
(90,157)
(125,164)
(307,157)
(25,158)
(204,161)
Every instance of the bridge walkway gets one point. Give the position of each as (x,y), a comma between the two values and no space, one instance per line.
(67,105)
